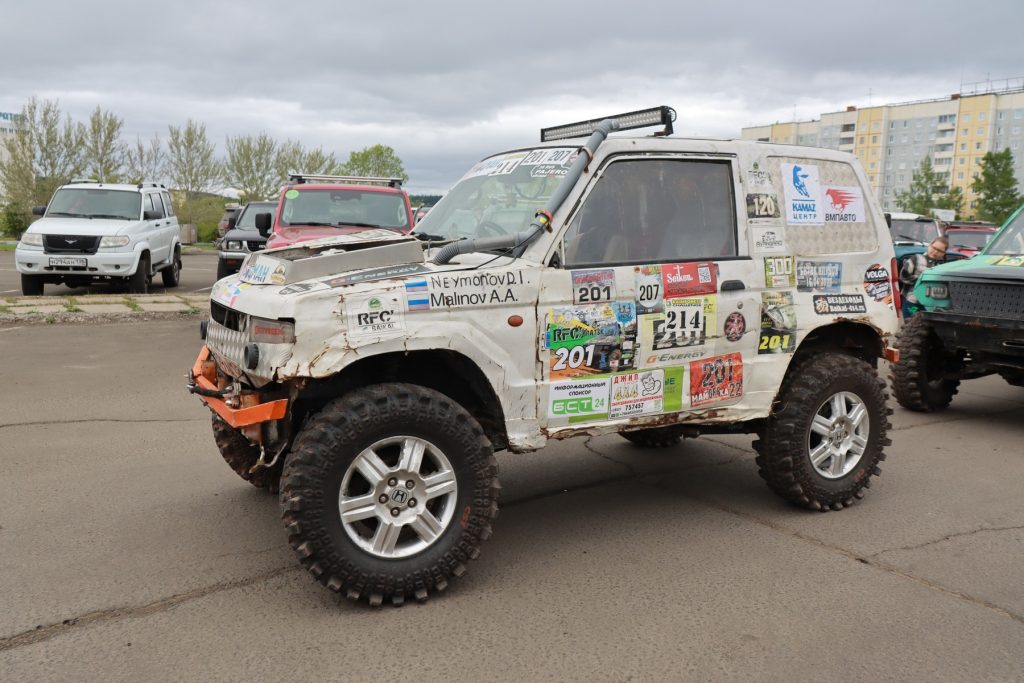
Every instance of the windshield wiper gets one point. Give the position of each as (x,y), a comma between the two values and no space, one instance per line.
(429,238)
(108,215)
(347,224)
(312,224)
(63,213)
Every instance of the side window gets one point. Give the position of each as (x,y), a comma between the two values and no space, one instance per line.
(168,206)
(158,205)
(655,210)
(147,203)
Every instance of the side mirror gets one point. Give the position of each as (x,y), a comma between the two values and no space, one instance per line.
(38,210)
(151,215)
(263,223)
(232,221)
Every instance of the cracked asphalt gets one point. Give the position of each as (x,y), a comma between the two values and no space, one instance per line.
(129,551)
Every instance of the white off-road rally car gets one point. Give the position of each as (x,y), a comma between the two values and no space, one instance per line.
(594,283)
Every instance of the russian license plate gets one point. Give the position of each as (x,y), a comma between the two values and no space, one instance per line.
(68,261)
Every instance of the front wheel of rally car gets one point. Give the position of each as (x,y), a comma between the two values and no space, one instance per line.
(241,456)
(823,441)
(920,379)
(388,492)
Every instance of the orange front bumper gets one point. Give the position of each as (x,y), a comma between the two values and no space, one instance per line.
(251,412)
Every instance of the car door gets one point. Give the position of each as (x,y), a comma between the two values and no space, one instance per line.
(155,233)
(647,313)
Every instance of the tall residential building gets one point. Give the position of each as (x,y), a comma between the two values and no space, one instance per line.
(6,129)
(891,140)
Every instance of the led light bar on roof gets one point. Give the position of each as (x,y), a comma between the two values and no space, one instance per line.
(644,118)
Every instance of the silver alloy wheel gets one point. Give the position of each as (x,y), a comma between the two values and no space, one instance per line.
(397,497)
(838,435)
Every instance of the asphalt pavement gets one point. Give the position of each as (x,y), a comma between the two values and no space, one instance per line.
(129,551)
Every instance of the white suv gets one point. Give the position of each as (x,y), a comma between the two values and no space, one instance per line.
(100,231)
(654,287)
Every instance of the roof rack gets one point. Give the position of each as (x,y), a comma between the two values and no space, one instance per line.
(642,118)
(151,184)
(302,178)
(76,181)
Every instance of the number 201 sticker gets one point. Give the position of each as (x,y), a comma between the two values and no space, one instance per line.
(716,379)
(592,286)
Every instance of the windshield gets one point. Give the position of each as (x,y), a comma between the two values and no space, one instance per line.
(247,221)
(971,239)
(499,196)
(324,207)
(1009,240)
(915,231)
(96,203)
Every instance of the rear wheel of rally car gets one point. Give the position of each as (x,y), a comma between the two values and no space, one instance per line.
(654,437)
(388,492)
(823,441)
(241,455)
(919,379)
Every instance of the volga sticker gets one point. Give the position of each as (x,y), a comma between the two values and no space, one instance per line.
(803,194)
(778,272)
(648,289)
(845,205)
(578,398)
(593,286)
(877,285)
(717,379)
(375,316)
(839,304)
(778,323)
(769,240)
(637,393)
(475,288)
(819,276)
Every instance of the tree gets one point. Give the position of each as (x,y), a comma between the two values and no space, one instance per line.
(379,161)
(144,161)
(44,152)
(996,187)
(250,166)
(925,185)
(292,158)
(103,152)
(954,199)
(191,163)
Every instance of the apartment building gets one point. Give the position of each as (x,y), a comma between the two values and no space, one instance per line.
(6,129)
(891,140)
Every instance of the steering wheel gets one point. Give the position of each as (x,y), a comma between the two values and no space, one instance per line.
(491,227)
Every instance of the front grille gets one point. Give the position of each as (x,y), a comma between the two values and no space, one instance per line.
(987,300)
(70,244)
(226,317)
(255,245)
(228,347)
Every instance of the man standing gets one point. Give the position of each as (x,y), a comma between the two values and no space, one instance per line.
(913,266)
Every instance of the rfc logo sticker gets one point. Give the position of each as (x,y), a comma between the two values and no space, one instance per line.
(375,316)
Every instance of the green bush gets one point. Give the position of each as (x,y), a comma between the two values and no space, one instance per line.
(13,220)
(206,232)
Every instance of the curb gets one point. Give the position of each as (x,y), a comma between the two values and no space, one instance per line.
(101,308)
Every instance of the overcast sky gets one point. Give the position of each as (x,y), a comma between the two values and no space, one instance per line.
(445,83)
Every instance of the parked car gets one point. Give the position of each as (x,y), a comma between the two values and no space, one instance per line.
(421,212)
(967,239)
(578,287)
(912,233)
(317,206)
(243,238)
(230,214)
(101,232)
(972,324)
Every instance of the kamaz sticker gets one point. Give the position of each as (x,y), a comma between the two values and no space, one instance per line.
(803,194)
(578,398)
(819,276)
(845,205)
(716,379)
(838,304)
(778,272)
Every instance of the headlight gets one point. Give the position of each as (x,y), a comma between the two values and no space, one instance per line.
(937,291)
(114,241)
(233,245)
(271,331)
(30,239)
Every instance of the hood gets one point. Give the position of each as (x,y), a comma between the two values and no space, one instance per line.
(79,226)
(284,236)
(245,235)
(335,255)
(979,267)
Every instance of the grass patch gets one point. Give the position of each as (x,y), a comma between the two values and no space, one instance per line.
(51,319)
(7,247)
(70,307)
(132,304)
(7,309)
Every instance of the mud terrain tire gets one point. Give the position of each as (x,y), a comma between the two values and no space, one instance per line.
(914,377)
(837,394)
(356,453)
(240,455)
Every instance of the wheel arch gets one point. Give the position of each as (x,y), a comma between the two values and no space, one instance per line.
(857,339)
(448,372)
